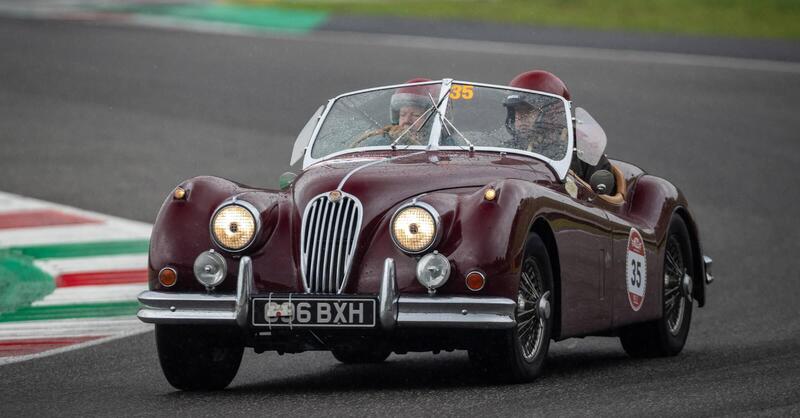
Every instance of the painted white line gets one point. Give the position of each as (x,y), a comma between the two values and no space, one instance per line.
(69,328)
(57,266)
(462,45)
(92,294)
(10,202)
(71,234)
(17,359)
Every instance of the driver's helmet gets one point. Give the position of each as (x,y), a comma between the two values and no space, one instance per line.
(419,96)
(538,80)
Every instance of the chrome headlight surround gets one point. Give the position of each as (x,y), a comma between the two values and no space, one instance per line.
(243,204)
(437,221)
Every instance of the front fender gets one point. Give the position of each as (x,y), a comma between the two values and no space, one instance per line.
(181,230)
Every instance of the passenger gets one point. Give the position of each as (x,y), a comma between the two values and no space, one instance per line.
(532,123)
(406,110)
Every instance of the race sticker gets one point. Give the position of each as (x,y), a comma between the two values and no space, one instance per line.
(636,271)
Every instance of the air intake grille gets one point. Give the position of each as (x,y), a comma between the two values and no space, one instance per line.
(329,236)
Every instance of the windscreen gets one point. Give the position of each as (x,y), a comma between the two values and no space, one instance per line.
(463,115)
(401,116)
(500,118)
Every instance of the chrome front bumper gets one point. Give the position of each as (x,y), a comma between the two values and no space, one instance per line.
(418,311)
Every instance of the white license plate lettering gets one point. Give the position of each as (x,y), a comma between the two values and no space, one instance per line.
(314,312)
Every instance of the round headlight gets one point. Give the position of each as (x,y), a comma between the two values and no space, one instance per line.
(234,226)
(414,228)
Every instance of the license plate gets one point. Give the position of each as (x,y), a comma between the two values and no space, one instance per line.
(319,312)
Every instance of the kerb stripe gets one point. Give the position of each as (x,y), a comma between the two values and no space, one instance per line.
(102,278)
(43,217)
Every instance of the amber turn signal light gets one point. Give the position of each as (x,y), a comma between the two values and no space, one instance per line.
(475,281)
(167,276)
(490,194)
(179,193)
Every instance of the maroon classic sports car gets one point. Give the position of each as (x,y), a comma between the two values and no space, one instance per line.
(437,215)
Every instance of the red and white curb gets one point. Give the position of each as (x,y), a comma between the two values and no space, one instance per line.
(94,294)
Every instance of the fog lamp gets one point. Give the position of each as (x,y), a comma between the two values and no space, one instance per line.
(210,268)
(433,270)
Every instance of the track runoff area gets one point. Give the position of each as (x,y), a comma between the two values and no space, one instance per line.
(68,277)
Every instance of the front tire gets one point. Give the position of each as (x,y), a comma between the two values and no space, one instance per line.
(519,354)
(667,335)
(199,357)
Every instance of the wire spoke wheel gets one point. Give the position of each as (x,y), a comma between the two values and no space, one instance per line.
(667,335)
(530,325)
(674,300)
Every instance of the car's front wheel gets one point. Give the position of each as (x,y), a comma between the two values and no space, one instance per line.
(199,357)
(666,336)
(519,354)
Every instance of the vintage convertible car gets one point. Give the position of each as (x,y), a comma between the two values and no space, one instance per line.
(428,216)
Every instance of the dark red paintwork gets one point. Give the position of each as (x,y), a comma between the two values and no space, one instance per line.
(586,235)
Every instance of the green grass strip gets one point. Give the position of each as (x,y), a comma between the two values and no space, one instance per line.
(300,21)
(735,18)
(87,249)
(36,313)
(21,282)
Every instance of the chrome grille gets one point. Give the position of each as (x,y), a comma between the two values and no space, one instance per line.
(328,242)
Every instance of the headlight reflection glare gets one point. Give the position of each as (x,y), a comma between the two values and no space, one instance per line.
(414,229)
(233,227)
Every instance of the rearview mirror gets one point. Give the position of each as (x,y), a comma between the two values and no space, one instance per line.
(602,182)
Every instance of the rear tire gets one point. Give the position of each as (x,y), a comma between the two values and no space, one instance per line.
(199,357)
(519,354)
(667,335)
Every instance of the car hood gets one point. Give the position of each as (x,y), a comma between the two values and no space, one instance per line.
(382,180)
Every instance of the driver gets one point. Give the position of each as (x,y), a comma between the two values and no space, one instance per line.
(533,125)
(406,110)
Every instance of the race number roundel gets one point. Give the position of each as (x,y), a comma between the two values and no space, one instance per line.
(636,270)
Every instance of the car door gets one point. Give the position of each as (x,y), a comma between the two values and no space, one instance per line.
(583,237)
(634,275)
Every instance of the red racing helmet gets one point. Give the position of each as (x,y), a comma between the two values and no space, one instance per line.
(412,96)
(538,80)
(541,80)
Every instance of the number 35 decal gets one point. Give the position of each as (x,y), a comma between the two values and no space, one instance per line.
(636,270)
(461,92)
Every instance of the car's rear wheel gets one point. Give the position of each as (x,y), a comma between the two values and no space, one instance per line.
(360,355)
(519,353)
(667,335)
(199,357)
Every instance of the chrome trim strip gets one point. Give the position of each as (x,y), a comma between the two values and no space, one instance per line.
(708,263)
(347,176)
(388,296)
(455,312)
(186,308)
(244,286)
(436,127)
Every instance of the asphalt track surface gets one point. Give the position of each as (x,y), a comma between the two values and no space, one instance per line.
(111,118)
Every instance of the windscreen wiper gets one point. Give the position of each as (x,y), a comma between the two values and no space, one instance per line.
(427,118)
